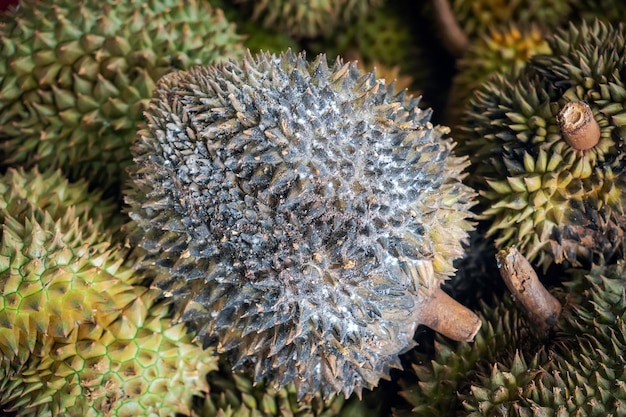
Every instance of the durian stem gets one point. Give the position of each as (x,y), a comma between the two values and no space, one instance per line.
(447,316)
(519,276)
(578,126)
(454,39)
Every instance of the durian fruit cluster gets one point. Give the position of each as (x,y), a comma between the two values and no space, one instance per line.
(562,207)
(89,323)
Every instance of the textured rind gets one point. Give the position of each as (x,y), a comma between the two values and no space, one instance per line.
(477,16)
(307,18)
(554,203)
(502,49)
(77,338)
(75,76)
(580,372)
(298,215)
(233,394)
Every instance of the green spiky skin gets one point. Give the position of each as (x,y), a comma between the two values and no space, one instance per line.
(76,337)
(580,372)
(75,77)
(50,226)
(138,364)
(477,16)
(383,35)
(432,392)
(554,203)
(292,233)
(504,50)
(307,18)
(256,36)
(232,394)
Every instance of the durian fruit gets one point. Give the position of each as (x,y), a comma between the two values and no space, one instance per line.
(256,36)
(432,388)
(77,338)
(542,193)
(580,372)
(233,394)
(306,18)
(383,35)
(476,17)
(301,216)
(75,76)
(505,50)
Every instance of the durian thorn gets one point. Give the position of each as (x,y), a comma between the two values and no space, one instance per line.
(447,316)
(578,126)
(454,39)
(521,279)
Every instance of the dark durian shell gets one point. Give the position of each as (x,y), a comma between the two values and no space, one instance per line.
(298,215)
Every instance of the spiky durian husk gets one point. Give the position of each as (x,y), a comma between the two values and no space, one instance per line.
(233,394)
(76,337)
(476,17)
(52,250)
(551,201)
(438,377)
(139,364)
(504,50)
(298,215)
(75,76)
(307,18)
(385,36)
(580,372)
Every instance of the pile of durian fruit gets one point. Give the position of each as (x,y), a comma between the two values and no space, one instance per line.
(250,207)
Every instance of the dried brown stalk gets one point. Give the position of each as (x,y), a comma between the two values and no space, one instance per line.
(578,126)
(541,307)
(454,39)
(447,316)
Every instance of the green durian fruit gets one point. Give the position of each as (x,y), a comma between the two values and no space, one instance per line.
(299,215)
(53,248)
(307,18)
(77,338)
(579,372)
(551,200)
(383,35)
(76,76)
(504,50)
(139,364)
(431,390)
(476,17)
(256,36)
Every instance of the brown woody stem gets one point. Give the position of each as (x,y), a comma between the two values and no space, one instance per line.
(578,126)
(447,316)
(541,307)
(453,37)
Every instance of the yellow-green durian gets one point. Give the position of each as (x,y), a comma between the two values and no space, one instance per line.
(552,200)
(79,335)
